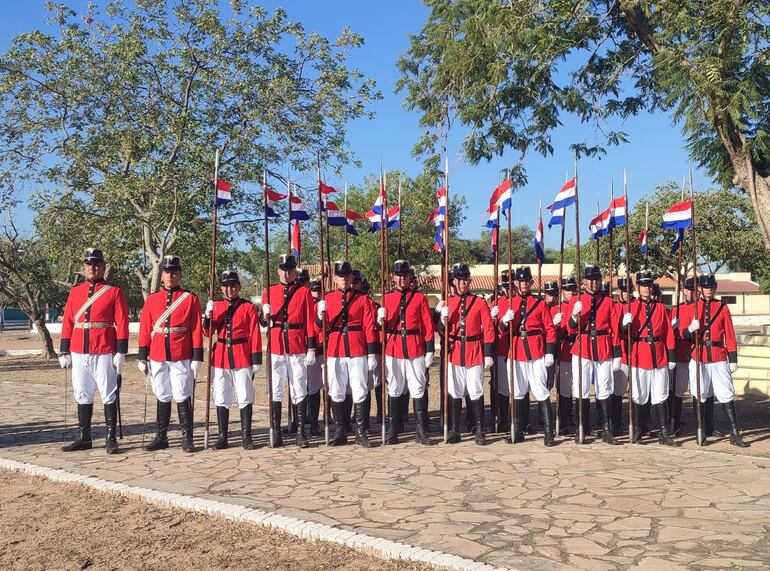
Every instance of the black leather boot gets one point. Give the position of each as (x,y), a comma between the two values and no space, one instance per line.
(348,402)
(184,409)
(565,415)
(605,408)
(708,419)
(340,434)
(676,421)
(478,417)
(637,429)
(527,427)
(83,442)
(368,408)
(617,414)
(378,399)
(664,436)
(504,412)
(494,412)
(361,437)
(454,412)
(223,422)
(301,408)
(277,436)
(645,425)
(314,407)
(470,422)
(404,416)
(111,420)
(246,415)
(394,420)
(160,442)
(421,421)
(735,435)
(292,428)
(545,414)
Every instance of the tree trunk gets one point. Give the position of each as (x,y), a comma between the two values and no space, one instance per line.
(46,351)
(758,188)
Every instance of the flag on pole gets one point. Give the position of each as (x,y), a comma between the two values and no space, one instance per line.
(326,190)
(224,192)
(538,242)
(617,212)
(678,217)
(272,198)
(564,198)
(678,241)
(600,225)
(501,197)
(643,241)
(298,211)
(492,220)
(393,218)
(334,216)
(437,216)
(296,240)
(557,215)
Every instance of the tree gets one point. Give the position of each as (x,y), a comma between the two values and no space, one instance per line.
(114,117)
(509,70)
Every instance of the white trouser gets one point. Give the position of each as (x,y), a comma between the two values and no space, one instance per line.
(565,379)
(315,381)
(620,380)
(373,378)
(715,380)
(91,372)
(225,380)
(172,379)
(680,379)
(597,372)
(405,373)
(650,384)
(289,369)
(527,375)
(347,373)
(465,379)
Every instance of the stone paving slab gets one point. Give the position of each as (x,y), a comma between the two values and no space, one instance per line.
(523,506)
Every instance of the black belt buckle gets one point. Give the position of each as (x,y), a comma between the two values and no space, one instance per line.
(228,342)
(403,333)
(593,332)
(285,326)
(523,334)
(345,329)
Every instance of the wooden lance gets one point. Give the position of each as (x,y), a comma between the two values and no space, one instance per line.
(696,341)
(324,340)
(628,310)
(212,281)
(268,351)
(580,432)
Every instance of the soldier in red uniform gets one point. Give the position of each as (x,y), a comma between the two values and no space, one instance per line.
(236,356)
(292,343)
(94,341)
(565,340)
(620,377)
(652,355)
(679,379)
(533,351)
(599,347)
(712,323)
(314,372)
(466,319)
(171,350)
(351,345)
(409,350)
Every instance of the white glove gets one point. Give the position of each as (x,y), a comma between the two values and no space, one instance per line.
(577,308)
(65,360)
(256,369)
(382,315)
(209,309)
(557,319)
(142,366)
(321,309)
(195,366)
(508,317)
(494,312)
(616,364)
(440,305)
(487,362)
(266,309)
(733,367)
(371,362)
(310,357)
(675,323)
(627,318)
(117,361)
(444,314)
(549,360)
(671,365)
(694,326)
(428,360)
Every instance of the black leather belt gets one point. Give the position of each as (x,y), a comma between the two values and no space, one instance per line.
(346,329)
(285,326)
(465,339)
(709,343)
(236,341)
(595,332)
(528,333)
(403,331)
(647,339)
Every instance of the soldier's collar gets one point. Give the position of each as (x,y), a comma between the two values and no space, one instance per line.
(177,288)
(96,281)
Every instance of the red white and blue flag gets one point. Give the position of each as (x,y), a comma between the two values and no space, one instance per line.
(224,192)
(617,212)
(557,215)
(326,190)
(600,225)
(538,242)
(438,217)
(393,219)
(678,242)
(296,240)
(643,241)
(334,216)
(501,197)
(298,211)
(272,197)
(564,198)
(678,217)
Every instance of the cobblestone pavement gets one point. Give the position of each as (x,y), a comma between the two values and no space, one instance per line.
(522,506)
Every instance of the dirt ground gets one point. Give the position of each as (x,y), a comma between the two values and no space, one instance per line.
(92,530)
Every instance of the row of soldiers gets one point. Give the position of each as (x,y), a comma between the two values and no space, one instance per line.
(535,340)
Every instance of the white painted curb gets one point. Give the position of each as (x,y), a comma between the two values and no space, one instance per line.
(383,548)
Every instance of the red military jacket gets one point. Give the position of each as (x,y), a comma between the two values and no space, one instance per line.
(683,312)
(239,338)
(652,337)
(292,328)
(618,311)
(176,338)
(471,331)
(534,333)
(600,339)
(350,324)
(564,337)
(716,333)
(409,325)
(103,326)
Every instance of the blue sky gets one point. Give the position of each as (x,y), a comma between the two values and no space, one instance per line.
(654,155)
